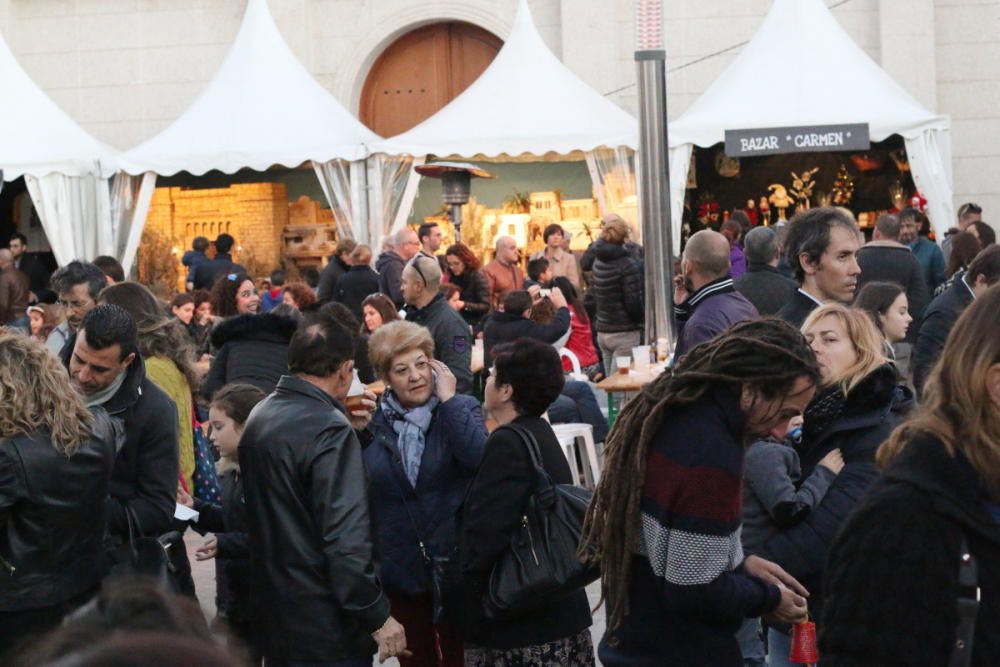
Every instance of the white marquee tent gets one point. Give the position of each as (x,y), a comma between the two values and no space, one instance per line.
(262,108)
(814,75)
(59,162)
(492,119)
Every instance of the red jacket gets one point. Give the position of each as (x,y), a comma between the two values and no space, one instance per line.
(580,343)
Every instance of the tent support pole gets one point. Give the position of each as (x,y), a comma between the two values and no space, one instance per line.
(654,195)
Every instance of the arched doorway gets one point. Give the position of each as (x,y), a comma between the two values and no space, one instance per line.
(421,72)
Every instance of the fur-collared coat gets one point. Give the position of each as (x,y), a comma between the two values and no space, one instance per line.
(251,349)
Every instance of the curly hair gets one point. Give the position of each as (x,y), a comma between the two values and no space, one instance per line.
(159,335)
(301,293)
(224,293)
(767,354)
(36,395)
(465,255)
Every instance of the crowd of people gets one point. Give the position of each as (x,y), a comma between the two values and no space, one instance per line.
(824,445)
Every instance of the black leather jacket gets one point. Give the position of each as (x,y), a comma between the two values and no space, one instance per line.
(314,595)
(52,518)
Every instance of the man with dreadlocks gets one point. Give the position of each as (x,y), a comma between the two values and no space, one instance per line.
(664,523)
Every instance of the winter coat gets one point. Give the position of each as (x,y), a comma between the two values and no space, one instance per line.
(206,273)
(766,288)
(146,468)
(354,286)
(328,278)
(390,276)
(737,262)
(503,327)
(895,263)
(52,517)
(618,286)
(475,293)
(939,318)
(251,349)
(229,523)
(38,274)
(580,343)
(931,259)
(492,512)
(689,591)
(590,254)
(711,314)
(501,280)
(892,578)
(406,516)
(314,595)
(798,308)
(865,423)
(452,339)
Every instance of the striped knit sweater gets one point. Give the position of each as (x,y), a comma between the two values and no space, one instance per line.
(689,592)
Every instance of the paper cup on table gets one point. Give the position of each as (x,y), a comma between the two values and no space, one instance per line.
(356,394)
(622,364)
(640,357)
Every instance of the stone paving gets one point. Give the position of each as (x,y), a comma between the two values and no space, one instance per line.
(204,580)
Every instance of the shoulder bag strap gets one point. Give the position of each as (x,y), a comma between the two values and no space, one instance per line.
(968,607)
(528,438)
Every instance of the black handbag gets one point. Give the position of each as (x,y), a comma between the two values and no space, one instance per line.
(145,557)
(541,564)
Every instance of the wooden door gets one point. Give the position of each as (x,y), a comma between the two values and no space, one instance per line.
(421,72)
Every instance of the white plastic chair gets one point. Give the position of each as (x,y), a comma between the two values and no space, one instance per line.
(569,435)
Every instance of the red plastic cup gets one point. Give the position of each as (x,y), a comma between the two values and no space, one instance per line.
(804,649)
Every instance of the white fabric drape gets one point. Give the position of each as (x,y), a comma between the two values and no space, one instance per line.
(680,163)
(613,172)
(130,200)
(76,214)
(395,188)
(930,163)
(335,177)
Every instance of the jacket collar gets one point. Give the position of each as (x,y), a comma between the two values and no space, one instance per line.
(753,267)
(415,313)
(296,385)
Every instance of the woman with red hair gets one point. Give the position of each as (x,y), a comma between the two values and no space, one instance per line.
(464,272)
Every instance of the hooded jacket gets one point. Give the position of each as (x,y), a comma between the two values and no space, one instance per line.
(390,276)
(251,349)
(314,595)
(619,289)
(354,286)
(144,479)
(892,582)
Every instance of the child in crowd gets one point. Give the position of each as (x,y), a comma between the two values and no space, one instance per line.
(275,293)
(193,258)
(228,414)
(539,273)
(775,497)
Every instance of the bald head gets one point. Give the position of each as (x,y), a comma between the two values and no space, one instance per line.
(707,253)
(6,258)
(506,250)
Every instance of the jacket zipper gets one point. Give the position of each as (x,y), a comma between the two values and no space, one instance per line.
(7,566)
(531,541)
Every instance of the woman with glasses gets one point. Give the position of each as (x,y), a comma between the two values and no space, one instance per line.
(249,346)
(465,274)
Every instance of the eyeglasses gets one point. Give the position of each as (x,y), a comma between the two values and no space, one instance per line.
(75,305)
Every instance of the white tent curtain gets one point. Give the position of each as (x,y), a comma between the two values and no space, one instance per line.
(75,212)
(930,163)
(392,197)
(613,172)
(680,163)
(335,178)
(130,200)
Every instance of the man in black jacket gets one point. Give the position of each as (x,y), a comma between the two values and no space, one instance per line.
(822,247)
(314,597)
(427,306)
(31,266)
(206,273)
(886,259)
(358,283)
(945,309)
(338,265)
(391,262)
(106,369)
(763,284)
(512,322)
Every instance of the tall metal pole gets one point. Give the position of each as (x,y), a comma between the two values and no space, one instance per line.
(653,168)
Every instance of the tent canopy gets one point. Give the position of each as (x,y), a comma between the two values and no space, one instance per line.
(37,138)
(491,118)
(262,108)
(815,75)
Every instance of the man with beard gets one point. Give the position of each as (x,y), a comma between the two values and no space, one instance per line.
(822,248)
(77,284)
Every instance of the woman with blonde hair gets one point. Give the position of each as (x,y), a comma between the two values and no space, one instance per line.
(852,411)
(618,289)
(894,574)
(55,473)
(427,444)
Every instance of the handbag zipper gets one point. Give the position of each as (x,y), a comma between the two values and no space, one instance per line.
(7,566)
(531,541)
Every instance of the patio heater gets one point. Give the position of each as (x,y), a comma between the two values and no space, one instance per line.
(456,185)
(653,167)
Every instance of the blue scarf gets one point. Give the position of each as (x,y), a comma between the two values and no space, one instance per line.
(411,426)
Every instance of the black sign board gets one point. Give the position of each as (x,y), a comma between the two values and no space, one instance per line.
(808,139)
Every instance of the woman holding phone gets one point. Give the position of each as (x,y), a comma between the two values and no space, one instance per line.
(426,447)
